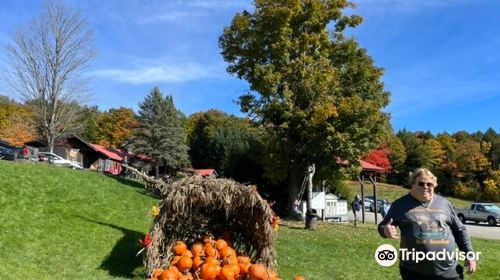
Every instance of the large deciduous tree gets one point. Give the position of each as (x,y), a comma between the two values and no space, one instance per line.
(317,92)
(47,58)
(160,132)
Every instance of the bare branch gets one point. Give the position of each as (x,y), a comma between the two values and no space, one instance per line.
(47,59)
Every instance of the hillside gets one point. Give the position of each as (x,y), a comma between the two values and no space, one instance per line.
(75,224)
(393,192)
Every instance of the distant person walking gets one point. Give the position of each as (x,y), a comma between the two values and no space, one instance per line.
(356,207)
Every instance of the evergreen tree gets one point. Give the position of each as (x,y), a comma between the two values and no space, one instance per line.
(230,145)
(160,133)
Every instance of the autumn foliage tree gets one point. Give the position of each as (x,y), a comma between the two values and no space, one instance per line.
(380,157)
(318,93)
(16,125)
(116,127)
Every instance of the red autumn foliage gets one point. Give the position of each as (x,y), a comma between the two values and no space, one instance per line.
(380,158)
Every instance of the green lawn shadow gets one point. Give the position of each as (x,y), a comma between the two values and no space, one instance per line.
(122,261)
(134,184)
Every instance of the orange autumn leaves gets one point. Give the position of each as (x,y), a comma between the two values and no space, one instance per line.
(212,260)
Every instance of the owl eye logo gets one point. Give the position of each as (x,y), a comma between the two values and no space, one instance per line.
(386,255)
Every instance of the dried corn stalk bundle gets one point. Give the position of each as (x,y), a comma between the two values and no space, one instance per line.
(193,207)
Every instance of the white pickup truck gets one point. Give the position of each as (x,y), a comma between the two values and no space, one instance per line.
(480,212)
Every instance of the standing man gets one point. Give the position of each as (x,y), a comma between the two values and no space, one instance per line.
(356,207)
(428,223)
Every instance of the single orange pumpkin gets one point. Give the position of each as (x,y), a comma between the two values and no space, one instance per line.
(220,244)
(184,263)
(197,249)
(227,273)
(197,262)
(179,248)
(258,271)
(209,271)
(168,275)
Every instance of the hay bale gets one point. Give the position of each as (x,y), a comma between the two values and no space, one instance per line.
(196,206)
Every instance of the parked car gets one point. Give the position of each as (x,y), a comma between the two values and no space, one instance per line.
(58,160)
(480,212)
(7,153)
(367,202)
(379,205)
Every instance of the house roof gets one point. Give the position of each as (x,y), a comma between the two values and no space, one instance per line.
(370,167)
(110,153)
(205,172)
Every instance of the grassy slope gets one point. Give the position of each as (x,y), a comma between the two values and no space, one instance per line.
(393,192)
(70,223)
(340,251)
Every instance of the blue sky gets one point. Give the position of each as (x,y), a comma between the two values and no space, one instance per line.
(441,58)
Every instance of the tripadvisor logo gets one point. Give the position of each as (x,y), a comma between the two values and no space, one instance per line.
(387,255)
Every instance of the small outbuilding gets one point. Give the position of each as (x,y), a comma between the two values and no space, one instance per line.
(327,206)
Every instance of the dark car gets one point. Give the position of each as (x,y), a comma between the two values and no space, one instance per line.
(7,153)
(379,206)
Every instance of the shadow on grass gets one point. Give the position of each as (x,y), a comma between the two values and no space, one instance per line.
(294,225)
(122,261)
(134,184)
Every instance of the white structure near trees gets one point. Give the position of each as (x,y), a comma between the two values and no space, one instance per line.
(327,206)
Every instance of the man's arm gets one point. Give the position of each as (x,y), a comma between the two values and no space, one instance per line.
(460,232)
(387,227)
(462,238)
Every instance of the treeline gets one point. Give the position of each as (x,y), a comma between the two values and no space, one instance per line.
(466,164)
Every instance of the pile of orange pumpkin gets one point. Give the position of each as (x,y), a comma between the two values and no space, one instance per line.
(212,260)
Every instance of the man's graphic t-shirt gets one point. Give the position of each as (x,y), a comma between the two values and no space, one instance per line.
(428,227)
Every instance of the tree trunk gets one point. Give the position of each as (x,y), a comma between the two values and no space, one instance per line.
(157,170)
(50,143)
(310,174)
(293,187)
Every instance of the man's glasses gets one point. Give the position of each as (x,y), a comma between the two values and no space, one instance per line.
(428,184)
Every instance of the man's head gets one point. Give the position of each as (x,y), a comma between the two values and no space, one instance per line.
(422,183)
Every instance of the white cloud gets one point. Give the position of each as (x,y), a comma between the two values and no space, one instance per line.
(159,73)
(219,4)
(172,16)
(388,8)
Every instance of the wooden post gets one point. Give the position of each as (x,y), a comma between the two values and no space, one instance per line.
(361,178)
(370,177)
(323,212)
(311,218)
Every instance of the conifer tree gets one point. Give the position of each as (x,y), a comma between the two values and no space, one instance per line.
(160,133)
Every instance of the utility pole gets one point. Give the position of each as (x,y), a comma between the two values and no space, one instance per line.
(311,218)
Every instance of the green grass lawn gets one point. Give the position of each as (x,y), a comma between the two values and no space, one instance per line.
(58,223)
(341,251)
(69,224)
